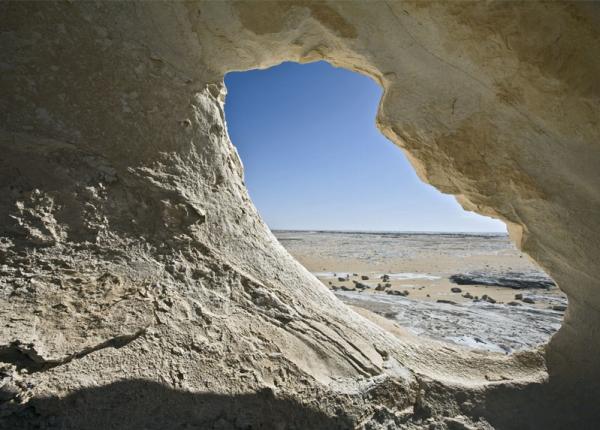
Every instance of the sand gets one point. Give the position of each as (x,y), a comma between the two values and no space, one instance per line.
(424,273)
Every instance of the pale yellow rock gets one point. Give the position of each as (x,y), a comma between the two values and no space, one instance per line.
(137,277)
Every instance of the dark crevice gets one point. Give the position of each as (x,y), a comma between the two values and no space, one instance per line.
(21,357)
(24,356)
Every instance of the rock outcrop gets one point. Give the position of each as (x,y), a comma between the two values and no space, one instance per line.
(515,280)
(137,277)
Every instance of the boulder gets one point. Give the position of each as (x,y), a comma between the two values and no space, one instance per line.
(515,280)
(380,287)
(398,293)
(488,299)
(448,302)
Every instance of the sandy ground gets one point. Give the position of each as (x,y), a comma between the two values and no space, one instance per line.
(426,273)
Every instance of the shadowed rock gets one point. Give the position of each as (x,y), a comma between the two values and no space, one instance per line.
(139,404)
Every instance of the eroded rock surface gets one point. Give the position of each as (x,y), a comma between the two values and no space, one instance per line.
(137,277)
(515,280)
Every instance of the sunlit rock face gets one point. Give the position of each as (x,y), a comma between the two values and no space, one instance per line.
(137,277)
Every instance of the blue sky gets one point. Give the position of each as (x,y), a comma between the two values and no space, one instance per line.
(314,159)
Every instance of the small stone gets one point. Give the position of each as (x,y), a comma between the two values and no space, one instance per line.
(364,277)
(528,300)
(398,293)
(488,299)
(457,423)
(514,304)
(177,350)
(456,290)
(467,295)
(559,308)
(518,296)
(448,302)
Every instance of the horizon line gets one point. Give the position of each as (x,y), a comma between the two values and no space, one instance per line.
(388,231)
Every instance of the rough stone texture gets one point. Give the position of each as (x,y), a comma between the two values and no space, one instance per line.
(139,287)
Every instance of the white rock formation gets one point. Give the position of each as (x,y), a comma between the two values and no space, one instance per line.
(139,287)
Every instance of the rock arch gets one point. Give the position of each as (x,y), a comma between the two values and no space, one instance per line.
(130,248)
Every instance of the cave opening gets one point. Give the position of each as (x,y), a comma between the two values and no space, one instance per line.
(348,205)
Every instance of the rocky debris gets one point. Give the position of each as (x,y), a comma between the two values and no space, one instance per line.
(364,278)
(467,295)
(528,300)
(559,308)
(514,304)
(456,290)
(398,293)
(385,278)
(341,279)
(515,280)
(344,288)
(380,287)
(519,296)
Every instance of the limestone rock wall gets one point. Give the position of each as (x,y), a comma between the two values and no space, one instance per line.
(136,275)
